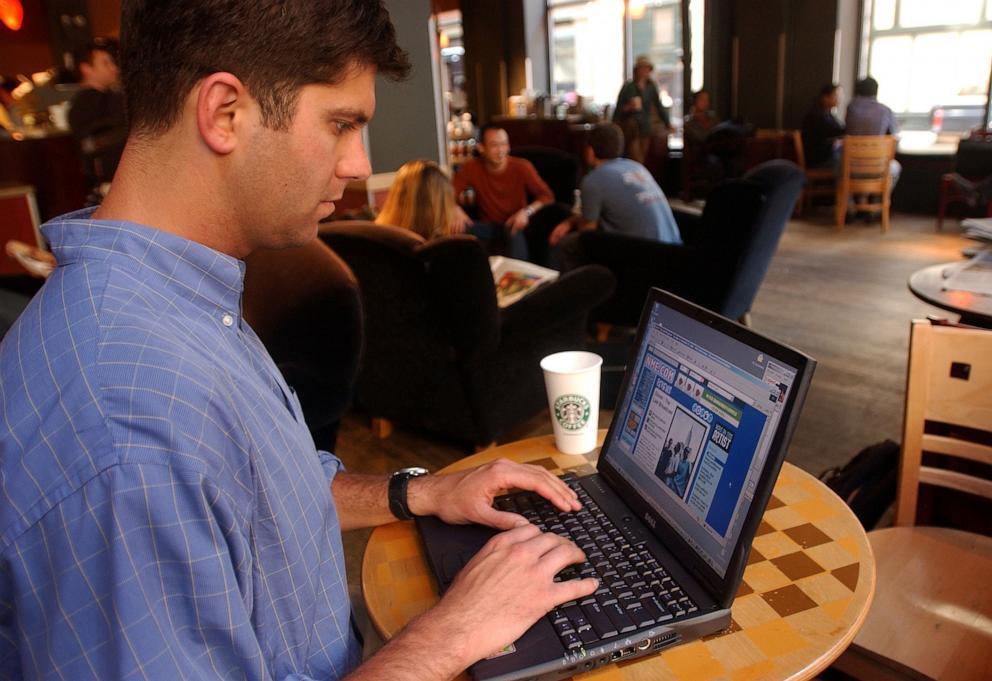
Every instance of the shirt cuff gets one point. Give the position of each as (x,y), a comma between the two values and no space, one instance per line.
(331,464)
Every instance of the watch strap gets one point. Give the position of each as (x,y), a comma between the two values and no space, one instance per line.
(398,483)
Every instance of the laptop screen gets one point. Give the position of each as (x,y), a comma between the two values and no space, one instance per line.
(696,425)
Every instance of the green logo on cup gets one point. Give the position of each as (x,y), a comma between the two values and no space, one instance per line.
(572,412)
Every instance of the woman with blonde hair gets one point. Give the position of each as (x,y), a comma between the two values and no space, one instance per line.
(422,200)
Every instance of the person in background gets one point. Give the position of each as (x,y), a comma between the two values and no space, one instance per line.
(96,116)
(618,195)
(700,119)
(422,200)
(166,513)
(868,116)
(821,130)
(506,191)
(640,113)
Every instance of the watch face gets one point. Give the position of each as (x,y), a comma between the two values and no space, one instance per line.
(411,472)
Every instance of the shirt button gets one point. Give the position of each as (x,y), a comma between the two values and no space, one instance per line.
(228,320)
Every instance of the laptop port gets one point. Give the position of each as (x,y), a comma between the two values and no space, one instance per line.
(643,645)
(615,656)
(627,651)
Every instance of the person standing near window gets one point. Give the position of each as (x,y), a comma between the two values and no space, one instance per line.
(639,111)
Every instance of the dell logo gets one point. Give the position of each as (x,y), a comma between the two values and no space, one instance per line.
(649,520)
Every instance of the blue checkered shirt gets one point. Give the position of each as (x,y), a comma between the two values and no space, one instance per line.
(163,511)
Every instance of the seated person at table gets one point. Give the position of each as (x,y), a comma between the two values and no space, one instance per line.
(96,116)
(618,195)
(506,191)
(166,513)
(868,116)
(423,201)
(700,120)
(821,130)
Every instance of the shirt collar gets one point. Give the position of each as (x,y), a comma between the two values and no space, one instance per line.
(208,277)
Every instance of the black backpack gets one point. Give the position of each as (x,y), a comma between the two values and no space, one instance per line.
(867,483)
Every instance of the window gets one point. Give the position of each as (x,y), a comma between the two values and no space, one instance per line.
(594,44)
(931,60)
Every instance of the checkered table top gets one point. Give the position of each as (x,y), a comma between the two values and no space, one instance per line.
(806,590)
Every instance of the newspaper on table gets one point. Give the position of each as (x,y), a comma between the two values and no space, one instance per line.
(516,278)
(973,276)
(977,228)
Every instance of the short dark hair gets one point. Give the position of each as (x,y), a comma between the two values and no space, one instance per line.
(606,140)
(486,128)
(828,89)
(866,87)
(274,46)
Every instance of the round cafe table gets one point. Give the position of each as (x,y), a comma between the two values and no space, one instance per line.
(928,285)
(806,590)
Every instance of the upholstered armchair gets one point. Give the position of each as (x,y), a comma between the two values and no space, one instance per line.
(440,355)
(725,255)
(304,305)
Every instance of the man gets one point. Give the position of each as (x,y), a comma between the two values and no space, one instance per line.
(640,113)
(618,195)
(166,514)
(96,116)
(868,116)
(507,191)
(821,131)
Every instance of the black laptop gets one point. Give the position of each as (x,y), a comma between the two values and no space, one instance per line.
(699,434)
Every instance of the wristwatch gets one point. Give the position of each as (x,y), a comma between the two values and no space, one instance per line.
(397,490)
(529,210)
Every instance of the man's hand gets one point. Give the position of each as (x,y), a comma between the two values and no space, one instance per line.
(518,221)
(501,592)
(508,586)
(460,221)
(563,228)
(467,496)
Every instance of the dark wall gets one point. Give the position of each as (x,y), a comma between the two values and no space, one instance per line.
(783,46)
(405,125)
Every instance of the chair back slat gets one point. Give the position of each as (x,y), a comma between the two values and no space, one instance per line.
(949,382)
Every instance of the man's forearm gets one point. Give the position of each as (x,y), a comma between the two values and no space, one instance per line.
(403,658)
(361,500)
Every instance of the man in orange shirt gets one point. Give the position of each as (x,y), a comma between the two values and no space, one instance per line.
(507,190)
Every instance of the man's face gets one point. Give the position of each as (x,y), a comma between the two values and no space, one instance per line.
(103,72)
(642,72)
(495,148)
(702,102)
(290,179)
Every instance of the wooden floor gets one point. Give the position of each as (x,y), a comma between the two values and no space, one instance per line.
(841,297)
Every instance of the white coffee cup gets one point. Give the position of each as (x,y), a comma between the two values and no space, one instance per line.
(572,382)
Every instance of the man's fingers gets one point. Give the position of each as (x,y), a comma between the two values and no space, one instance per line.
(559,557)
(573,589)
(501,520)
(537,479)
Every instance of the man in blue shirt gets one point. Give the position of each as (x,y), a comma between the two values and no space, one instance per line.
(164,512)
(868,116)
(618,195)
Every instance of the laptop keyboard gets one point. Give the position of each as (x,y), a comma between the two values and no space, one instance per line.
(635,591)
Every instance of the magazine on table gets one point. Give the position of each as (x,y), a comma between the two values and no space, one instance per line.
(516,278)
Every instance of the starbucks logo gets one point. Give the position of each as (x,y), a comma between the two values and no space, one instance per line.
(572,412)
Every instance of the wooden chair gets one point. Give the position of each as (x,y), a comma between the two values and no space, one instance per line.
(932,609)
(968,184)
(865,171)
(788,144)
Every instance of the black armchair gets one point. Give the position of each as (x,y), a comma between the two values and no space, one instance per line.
(304,305)
(725,255)
(439,354)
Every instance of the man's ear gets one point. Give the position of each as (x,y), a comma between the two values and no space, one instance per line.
(222,104)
